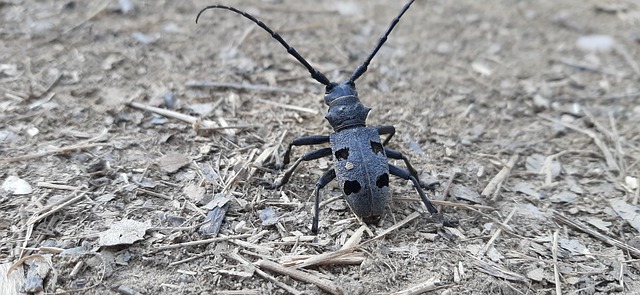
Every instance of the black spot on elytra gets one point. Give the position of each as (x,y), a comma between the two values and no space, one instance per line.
(342,154)
(383,180)
(351,187)
(377,148)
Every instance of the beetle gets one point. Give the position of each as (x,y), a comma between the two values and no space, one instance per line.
(360,156)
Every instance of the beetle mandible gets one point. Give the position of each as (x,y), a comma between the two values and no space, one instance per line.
(360,157)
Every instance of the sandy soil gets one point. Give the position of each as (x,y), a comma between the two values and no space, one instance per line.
(527,121)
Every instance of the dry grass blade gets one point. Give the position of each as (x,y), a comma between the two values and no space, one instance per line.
(635,252)
(61,150)
(611,162)
(290,107)
(237,257)
(323,258)
(198,123)
(325,285)
(57,186)
(498,271)
(396,226)
(200,242)
(426,286)
(444,203)
(49,210)
(240,86)
(493,187)
(556,273)
(344,259)
(496,234)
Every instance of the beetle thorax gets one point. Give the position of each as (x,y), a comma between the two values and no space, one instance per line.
(345,109)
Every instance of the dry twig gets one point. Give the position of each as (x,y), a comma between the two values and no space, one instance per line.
(323,284)
(496,234)
(240,86)
(198,123)
(493,187)
(61,150)
(200,242)
(556,273)
(237,257)
(635,252)
(611,162)
(426,286)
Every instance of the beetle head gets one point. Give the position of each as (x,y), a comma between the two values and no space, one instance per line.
(345,109)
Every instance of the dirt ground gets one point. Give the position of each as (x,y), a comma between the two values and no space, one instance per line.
(525,112)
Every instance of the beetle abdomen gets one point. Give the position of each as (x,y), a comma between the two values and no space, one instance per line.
(362,170)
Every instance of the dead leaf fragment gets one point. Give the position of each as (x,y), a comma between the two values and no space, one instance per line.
(628,212)
(124,232)
(172,162)
(527,188)
(462,192)
(16,186)
(563,197)
(481,68)
(536,274)
(599,223)
(194,192)
(574,246)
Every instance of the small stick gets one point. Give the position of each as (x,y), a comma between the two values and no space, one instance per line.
(190,258)
(611,162)
(628,58)
(80,23)
(202,124)
(333,199)
(322,258)
(412,216)
(635,252)
(152,193)
(599,97)
(428,285)
(50,210)
(57,186)
(501,177)
(449,185)
(240,86)
(446,203)
(61,150)
(200,242)
(237,292)
(259,248)
(355,238)
(548,164)
(237,257)
(345,259)
(290,107)
(590,68)
(496,234)
(556,273)
(299,275)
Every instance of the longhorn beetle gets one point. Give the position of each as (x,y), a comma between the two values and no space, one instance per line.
(359,155)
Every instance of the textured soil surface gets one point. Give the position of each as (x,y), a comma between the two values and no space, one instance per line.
(125,127)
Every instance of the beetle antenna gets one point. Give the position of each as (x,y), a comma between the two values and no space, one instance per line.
(315,74)
(363,67)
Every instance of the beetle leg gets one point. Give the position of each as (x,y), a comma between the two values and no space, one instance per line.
(305,140)
(393,154)
(327,177)
(325,152)
(386,129)
(404,174)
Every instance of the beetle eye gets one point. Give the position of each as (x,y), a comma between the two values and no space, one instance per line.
(329,88)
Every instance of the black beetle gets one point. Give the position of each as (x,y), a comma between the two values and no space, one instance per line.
(359,155)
